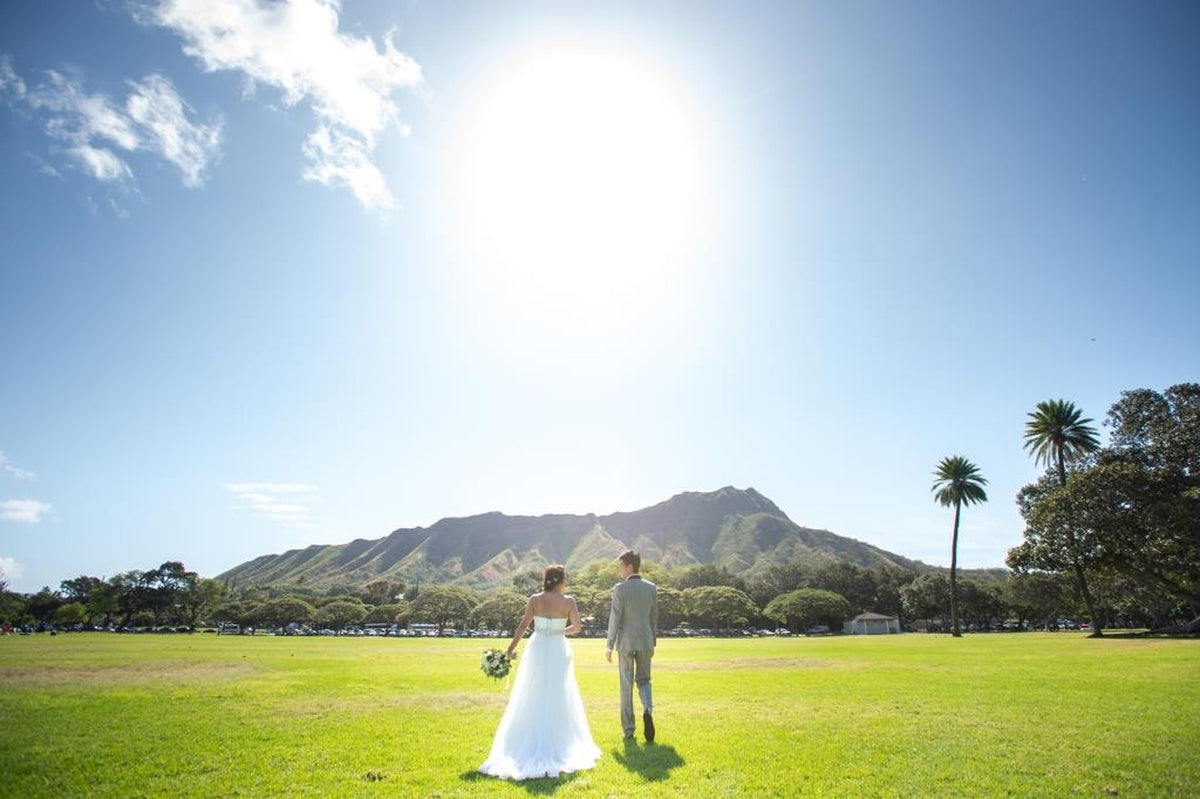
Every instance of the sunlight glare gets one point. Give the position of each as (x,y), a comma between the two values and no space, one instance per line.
(580,179)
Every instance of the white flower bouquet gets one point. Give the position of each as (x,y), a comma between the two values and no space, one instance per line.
(496,664)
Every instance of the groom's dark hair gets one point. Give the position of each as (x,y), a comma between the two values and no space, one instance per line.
(630,557)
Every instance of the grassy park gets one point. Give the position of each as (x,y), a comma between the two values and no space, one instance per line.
(1021,715)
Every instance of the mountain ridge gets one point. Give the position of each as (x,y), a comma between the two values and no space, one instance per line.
(739,529)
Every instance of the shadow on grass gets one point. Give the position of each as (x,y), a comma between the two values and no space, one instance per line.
(539,787)
(652,761)
(1149,635)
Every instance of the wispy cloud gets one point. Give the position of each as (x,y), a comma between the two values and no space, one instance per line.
(96,133)
(295,46)
(157,108)
(12,470)
(26,511)
(11,84)
(287,503)
(10,569)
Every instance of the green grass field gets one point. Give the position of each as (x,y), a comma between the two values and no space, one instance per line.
(994,715)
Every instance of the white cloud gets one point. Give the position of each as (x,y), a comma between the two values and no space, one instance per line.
(295,46)
(81,118)
(96,132)
(10,569)
(10,82)
(26,511)
(102,164)
(342,160)
(155,105)
(12,470)
(287,503)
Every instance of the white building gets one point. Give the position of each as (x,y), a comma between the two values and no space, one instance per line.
(871,624)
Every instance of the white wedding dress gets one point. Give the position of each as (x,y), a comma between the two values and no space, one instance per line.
(544,731)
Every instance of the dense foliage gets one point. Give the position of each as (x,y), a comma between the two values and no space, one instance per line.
(1127,515)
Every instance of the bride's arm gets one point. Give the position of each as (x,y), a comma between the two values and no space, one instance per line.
(574,623)
(512,648)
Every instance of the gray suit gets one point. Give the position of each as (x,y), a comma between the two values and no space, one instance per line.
(631,632)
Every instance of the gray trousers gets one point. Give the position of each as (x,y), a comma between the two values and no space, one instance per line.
(634,667)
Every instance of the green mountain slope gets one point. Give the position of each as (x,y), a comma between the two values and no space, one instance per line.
(736,528)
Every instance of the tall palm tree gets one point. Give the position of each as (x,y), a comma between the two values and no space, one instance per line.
(1056,435)
(958,483)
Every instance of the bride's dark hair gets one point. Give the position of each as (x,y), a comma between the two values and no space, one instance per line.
(552,577)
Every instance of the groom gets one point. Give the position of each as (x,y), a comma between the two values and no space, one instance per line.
(631,625)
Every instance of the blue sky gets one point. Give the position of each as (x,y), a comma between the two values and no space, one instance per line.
(303,273)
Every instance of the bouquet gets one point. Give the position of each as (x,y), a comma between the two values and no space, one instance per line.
(496,664)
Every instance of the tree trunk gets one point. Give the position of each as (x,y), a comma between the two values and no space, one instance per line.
(1081,584)
(954,628)
(1080,577)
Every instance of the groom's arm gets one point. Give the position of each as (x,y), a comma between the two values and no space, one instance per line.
(654,619)
(614,622)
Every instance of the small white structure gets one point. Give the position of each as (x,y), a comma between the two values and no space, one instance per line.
(871,624)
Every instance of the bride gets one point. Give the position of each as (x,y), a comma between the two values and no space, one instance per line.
(544,731)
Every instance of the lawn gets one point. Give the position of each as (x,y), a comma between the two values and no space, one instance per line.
(96,714)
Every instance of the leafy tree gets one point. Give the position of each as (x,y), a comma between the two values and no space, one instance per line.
(394,613)
(102,604)
(287,610)
(719,605)
(12,607)
(855,583)
(1038,597)
(927,597)
(198,598)
(889,582)
(80,589)
(957,482)
(672,607)
(594,604)
(42,605)
(502,611)
(804,607)
(1140,523)
(341,614)
(243,612)
(1143,497)
(981,605)
(1056,434)
(131,593)
(527,582)
(71,613)
(382,592)
(706,574)
(442,605)
(602,575)
(160,589)
(776,579)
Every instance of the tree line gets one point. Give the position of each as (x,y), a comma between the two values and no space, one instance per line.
(1112,534)
(1119,523)
(794,595)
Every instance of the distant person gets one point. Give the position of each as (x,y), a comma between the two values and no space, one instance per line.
(544,731)
(631,632)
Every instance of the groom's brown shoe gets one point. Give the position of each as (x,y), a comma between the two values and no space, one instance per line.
(648,727)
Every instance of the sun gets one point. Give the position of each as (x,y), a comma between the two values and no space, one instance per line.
(580,177)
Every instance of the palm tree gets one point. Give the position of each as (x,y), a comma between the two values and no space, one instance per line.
(958,483)
(1056,435)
